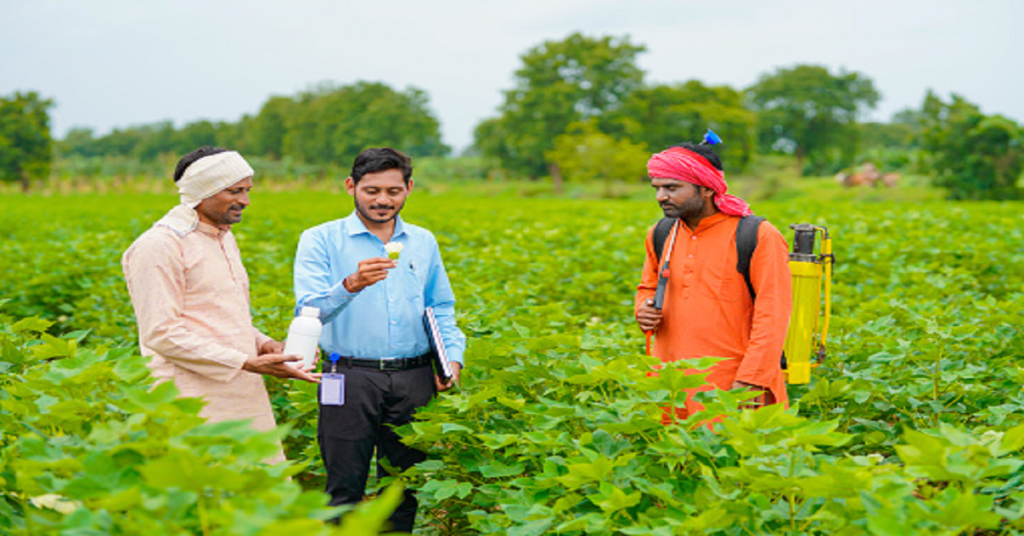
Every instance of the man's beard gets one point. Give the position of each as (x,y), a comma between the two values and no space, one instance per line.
(689,208)
(366,212)
(230,218)
(227,217)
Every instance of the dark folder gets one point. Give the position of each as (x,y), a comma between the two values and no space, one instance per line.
(442,367)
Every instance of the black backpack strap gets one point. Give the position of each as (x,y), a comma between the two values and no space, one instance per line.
(661,231)
(746,243)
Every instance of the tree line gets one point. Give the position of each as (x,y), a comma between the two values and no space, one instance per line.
(580,109)
(323,125)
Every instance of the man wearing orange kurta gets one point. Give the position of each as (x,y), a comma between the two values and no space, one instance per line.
(708,310)
(190,293)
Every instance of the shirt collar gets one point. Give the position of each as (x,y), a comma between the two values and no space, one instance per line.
(355,226)
(712,220)
(709,221)
(211,230)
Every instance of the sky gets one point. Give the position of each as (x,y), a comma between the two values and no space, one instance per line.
(117,63)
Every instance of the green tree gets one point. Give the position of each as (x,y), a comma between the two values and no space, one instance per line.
(489,141)
(895,145)
(79,141)
(154,140)
(333,124)
(26,148)
(559,83)
(123,142)
(665,115)
(328,124)
(585,154)
(194,135)
(264,133)
(811,111)
(973,155)
(911,119)
(892,135)
(231,135)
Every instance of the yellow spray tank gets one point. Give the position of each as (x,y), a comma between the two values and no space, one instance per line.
(807,337)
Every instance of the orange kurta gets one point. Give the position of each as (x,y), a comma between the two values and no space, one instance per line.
(709,312)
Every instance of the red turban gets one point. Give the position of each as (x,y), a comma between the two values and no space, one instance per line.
(685,165)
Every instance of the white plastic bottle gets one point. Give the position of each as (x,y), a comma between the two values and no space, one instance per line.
(303,336)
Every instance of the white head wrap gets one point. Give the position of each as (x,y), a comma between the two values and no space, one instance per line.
(204,178)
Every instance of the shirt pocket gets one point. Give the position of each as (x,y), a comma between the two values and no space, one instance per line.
(413,274)
(726,283)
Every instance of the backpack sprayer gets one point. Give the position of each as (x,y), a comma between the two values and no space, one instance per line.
(811,273)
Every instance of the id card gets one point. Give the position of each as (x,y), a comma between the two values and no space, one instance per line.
(332,389)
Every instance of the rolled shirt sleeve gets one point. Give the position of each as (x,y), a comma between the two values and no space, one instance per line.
(261,339)
(316,285)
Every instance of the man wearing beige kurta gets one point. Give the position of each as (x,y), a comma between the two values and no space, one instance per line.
(190,292)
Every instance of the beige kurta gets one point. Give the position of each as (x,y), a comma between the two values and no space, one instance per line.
(191,298)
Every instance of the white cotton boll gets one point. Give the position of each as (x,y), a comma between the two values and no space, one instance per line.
(55,502)
(991,437)
(394,249)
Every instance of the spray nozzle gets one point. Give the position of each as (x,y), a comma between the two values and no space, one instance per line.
(711,138)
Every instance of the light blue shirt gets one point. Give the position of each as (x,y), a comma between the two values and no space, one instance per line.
(383,320)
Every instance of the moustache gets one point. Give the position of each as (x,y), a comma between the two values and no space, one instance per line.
(381,207)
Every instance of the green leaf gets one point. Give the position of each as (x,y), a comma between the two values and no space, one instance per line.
(496,469)
(370,518)
(612,499)
(179,469)
(33,324)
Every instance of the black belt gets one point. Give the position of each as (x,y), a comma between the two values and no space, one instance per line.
(401,363)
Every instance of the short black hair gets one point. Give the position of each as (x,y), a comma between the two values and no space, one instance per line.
(381,159)
(706,151)
(190,159)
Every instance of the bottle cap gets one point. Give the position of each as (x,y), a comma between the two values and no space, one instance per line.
(310,311)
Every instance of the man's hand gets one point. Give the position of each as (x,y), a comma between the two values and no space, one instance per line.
(277,347)
(647,316)
(370,271)
(272,347)
(739,386)
(744,386)
(456,374)
(278,365)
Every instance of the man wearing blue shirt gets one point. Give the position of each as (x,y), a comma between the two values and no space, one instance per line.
(372,310)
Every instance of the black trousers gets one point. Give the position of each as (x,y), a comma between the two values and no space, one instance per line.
(349,434)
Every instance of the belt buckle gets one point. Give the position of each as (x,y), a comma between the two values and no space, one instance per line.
(382,362)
